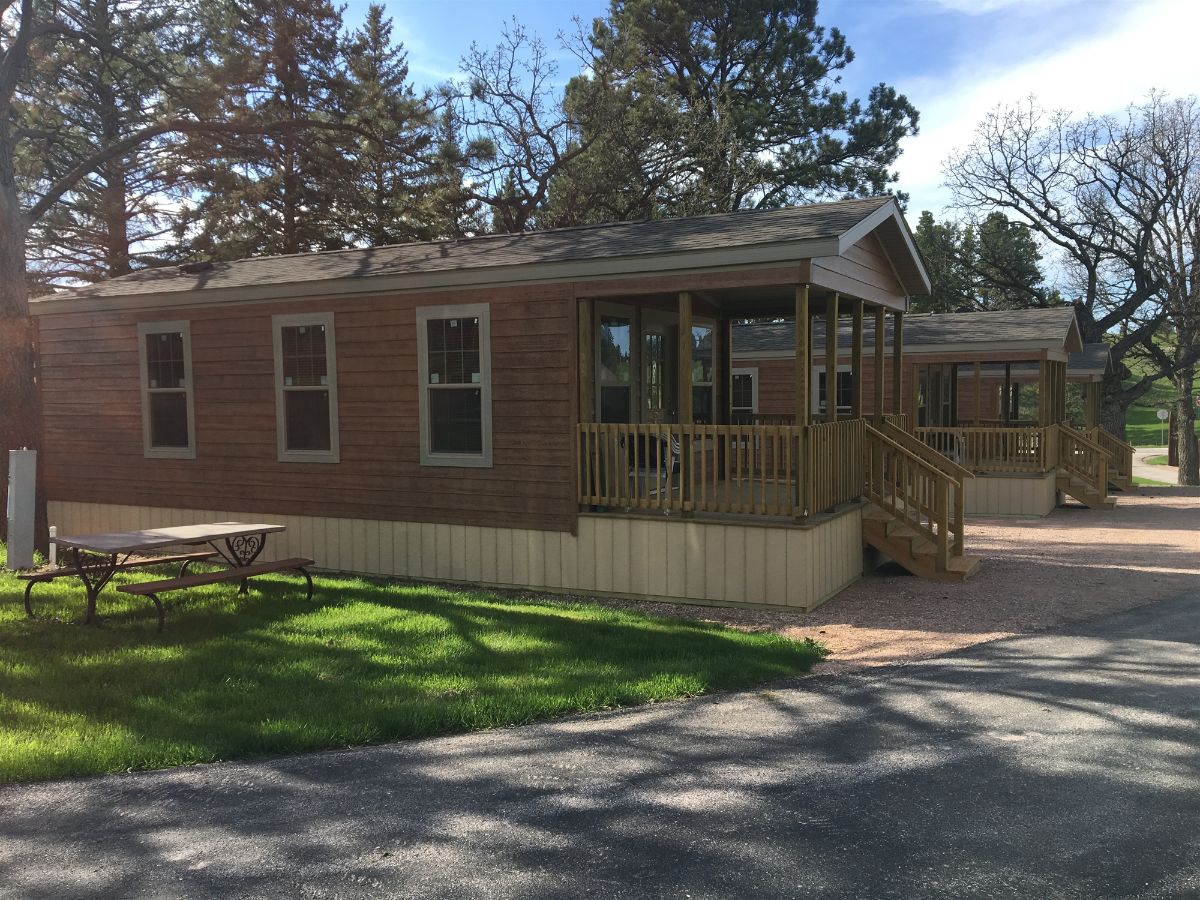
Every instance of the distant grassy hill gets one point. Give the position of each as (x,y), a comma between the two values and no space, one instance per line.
(1142,428)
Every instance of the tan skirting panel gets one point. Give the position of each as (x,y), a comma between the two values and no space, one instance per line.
(1010,495)
(613,555)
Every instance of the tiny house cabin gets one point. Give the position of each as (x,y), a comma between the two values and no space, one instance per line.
(555,410)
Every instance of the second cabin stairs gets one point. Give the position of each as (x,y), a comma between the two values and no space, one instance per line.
(914,514)
(1083,468)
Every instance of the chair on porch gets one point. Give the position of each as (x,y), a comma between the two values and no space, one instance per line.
(652,460)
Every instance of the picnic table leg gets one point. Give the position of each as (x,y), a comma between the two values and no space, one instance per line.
(243,550)
(28,605)
(95,571)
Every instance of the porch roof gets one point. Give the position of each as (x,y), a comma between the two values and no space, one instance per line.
(1017,331)
(750,238)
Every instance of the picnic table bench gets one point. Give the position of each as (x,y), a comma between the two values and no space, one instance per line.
(95,558)
(47,575)
(152,589)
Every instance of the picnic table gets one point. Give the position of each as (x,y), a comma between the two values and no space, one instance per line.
(95,558)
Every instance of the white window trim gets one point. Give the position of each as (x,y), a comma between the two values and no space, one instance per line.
(333,454)
(817,371)
(482,311)
(189,387)
(753,373)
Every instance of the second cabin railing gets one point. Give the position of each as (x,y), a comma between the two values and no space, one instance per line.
(982,449)
(1120,453)
(1080,456)
(773,470)
(917,491)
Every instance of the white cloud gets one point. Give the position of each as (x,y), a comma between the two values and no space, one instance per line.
(1151,45)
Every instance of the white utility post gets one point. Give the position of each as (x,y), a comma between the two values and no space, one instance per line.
(1163,415)
(22,495)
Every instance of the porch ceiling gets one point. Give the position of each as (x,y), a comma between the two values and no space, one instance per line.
(761,301)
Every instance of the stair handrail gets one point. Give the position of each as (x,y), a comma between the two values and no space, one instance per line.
(1066,458)
(915,445)
(945,516)
(1121,451)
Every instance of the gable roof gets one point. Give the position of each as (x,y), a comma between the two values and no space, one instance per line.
(1094,360)
(1052,328)
(623,248)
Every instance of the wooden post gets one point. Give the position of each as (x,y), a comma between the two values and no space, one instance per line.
(803,355)
(587,367)
(856,363)
(898,365)
(978,392)
(831,356)
(1092,406)
(723,374)
(685,359)
(880,363)
(1043,392)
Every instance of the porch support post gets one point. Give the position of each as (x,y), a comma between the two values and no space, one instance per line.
(856,363)
(803,355)
(880,363)
(1043,392)
(723,374)
(685,358)
(978,393)
(587,368)
(898,364)
(1092,405)
(831,356)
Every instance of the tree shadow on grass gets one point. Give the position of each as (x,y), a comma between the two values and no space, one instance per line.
(361,662)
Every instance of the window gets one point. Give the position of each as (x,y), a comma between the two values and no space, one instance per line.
(702,374)
(845,389)
(743,395)
(306,417)
(168,416)
(454,367)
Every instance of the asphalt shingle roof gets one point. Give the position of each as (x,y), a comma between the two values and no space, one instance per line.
(624,239)
(1018,326)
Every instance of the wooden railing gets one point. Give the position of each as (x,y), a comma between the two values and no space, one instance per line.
(1082,457)
(774,470)
(1120,453)
(915,491)
(994,449)
(834,459)
(918,447)
(897,420)
(764,418)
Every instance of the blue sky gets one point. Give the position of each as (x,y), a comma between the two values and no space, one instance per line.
(955,59)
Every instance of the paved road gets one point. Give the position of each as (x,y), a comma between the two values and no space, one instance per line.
(1060,765)
(1143,469)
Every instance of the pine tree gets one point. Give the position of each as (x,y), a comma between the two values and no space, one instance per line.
(85,96)
(383,199)
(275,192)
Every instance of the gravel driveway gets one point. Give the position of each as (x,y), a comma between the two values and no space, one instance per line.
(1074,564)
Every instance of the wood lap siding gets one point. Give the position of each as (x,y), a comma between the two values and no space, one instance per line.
(863,271)
(90,383)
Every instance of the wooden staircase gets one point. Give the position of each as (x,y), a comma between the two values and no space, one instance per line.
(1120,466)
(1083,469)
(915,510)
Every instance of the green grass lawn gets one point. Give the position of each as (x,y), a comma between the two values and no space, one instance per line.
(1150,482)
(364,661)
(1142,428)
(1160,460)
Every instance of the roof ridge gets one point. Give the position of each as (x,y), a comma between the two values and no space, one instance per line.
(518,235)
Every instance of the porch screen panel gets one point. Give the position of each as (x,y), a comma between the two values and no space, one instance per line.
(615,361)
(702,374)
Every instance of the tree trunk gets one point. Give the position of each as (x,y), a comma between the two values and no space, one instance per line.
(20,406)
(1185,424)
(1112,406)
